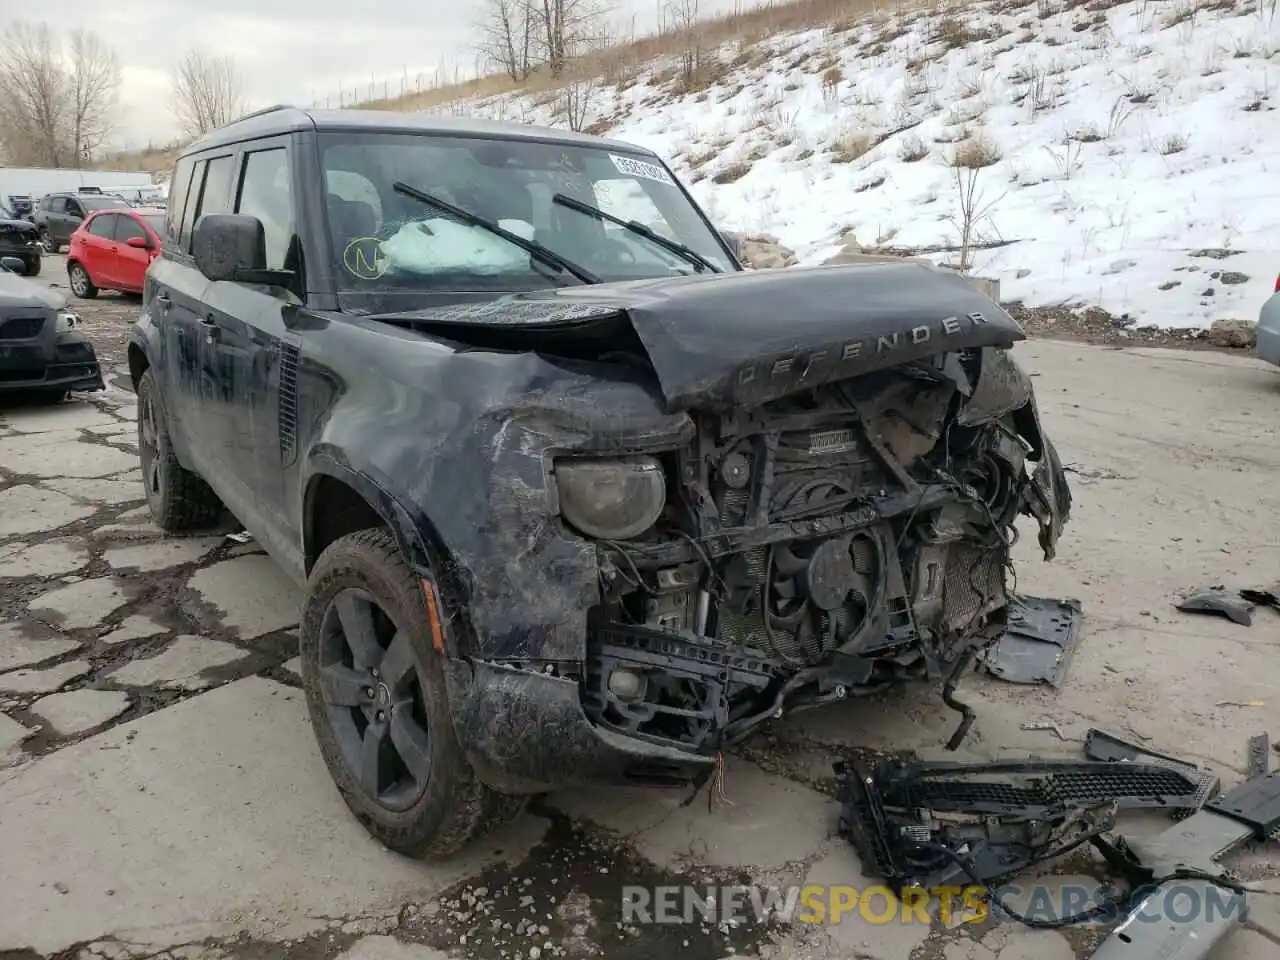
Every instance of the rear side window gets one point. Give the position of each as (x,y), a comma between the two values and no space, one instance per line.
(179,187)
(215,197)
(102,226)
(265,194)
(57,205)
(211,192)
(193,201)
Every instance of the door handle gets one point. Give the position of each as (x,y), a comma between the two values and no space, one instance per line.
(162,298)
(211,329)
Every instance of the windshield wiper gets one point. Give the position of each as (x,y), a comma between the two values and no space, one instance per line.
(531,247)
(679,249)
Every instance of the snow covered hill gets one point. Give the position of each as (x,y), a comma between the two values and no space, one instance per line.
(1094,152)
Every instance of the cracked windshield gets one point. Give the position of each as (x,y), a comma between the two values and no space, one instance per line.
(448,213)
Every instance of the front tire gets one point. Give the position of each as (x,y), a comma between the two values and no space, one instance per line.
(81,285)
(376,694)
(178,499)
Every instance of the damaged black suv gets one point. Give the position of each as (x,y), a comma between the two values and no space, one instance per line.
(574,497)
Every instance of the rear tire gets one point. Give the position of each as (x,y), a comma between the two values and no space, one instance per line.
(81,285)
(46,241)
(179,499)
(365,622)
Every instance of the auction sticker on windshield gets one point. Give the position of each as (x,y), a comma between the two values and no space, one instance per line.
(640,168)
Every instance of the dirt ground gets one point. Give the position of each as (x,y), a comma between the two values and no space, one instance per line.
(161,794)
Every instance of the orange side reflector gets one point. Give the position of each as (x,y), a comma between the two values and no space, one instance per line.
(433,616)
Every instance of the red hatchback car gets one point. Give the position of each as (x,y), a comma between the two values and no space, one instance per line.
(112,249)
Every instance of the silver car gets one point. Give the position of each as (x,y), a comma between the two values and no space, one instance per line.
(1269,328)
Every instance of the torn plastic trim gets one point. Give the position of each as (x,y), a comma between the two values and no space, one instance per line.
(524,731)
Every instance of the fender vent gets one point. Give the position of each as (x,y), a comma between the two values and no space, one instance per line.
(288,414)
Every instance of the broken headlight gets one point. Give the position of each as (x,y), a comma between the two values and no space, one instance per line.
(613,499)
(67,321)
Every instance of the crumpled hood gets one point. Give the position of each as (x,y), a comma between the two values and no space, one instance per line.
(720,340)
(18,292)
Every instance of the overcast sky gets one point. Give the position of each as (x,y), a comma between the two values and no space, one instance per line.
(294,51)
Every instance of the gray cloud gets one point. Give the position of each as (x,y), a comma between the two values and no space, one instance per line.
(293,51)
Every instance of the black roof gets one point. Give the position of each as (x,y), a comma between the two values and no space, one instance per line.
(272,121)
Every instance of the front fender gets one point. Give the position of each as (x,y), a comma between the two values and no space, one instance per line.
(326,460)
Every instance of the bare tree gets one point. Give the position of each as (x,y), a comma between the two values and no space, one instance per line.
(682,15)
(94,80)
(566,28)
(33,96)
(507,37)
(207,92)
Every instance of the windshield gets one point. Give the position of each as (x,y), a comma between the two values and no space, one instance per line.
(101,203)
(386,239)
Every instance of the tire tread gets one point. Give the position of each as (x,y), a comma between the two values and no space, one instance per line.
(471,809)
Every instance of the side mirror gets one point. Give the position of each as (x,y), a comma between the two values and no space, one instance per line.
(142,243)
(13,264)
(233,246)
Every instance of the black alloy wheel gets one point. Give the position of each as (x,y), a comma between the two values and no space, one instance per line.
(379,704)
(371,682)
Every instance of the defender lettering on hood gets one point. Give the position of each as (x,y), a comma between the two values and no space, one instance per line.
(832,363)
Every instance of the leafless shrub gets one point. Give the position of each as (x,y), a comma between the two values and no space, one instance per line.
(912,149)
(831,80)
(952,32)
(207,92)
(577,100)
(1121,111)
(1067,160)
(972,210)
(1085,133)
(1173,143)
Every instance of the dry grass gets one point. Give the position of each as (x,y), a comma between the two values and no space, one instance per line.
(732,173)
(850,147)
(975,152)
(746,28)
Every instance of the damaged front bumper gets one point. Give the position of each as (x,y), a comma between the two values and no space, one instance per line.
(869,500)
(48,361)
(526,732)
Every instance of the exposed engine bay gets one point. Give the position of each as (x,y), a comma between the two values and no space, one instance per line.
(819,546)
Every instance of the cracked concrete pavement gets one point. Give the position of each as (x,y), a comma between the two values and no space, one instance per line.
(161,794)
